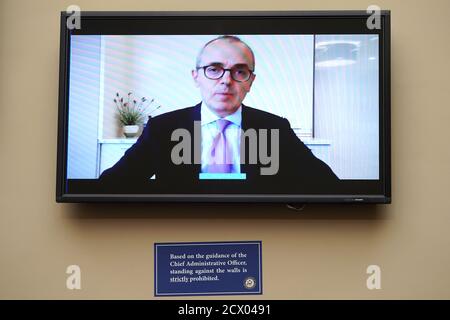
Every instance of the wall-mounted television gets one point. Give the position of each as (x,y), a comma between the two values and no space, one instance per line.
(261,106)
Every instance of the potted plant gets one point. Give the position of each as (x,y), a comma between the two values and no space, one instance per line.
(131,113)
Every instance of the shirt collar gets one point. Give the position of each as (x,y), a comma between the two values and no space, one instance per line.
(207,116)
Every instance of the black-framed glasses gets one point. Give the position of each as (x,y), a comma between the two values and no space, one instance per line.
(238,73)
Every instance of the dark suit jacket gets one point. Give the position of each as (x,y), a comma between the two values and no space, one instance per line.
(299,170)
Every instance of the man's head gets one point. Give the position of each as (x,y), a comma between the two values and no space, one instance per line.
(224,90)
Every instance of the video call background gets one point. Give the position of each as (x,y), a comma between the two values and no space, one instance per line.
(335,99)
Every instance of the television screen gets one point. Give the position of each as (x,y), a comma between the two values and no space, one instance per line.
(227,107)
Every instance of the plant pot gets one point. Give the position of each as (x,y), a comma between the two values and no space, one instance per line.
(130,131)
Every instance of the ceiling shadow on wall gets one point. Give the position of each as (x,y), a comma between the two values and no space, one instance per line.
(226,211)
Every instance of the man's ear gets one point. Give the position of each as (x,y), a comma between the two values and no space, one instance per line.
(194,74)
(251,82)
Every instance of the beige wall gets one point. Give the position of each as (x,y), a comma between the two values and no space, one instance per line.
(321,253)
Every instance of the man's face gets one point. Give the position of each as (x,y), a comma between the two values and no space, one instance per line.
(224,95)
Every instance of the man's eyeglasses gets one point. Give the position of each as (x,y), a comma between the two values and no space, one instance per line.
(238,73)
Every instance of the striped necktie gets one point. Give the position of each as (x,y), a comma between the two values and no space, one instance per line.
(220,157)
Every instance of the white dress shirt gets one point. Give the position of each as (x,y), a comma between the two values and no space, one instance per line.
(210,131)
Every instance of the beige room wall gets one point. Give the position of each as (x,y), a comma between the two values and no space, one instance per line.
(321,252)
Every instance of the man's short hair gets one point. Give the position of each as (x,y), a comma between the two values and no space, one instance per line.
(226,38)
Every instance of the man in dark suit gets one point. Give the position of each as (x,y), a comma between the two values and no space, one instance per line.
(218,126)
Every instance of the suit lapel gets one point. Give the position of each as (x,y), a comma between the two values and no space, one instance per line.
(196,151)
(251,170)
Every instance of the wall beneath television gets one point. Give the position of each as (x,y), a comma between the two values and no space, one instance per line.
(320,252)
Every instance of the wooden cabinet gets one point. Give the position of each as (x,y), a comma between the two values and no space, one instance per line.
(110,151)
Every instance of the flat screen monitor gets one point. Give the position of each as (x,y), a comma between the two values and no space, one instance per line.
(224,107)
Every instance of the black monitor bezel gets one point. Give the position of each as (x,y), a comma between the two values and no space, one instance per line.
(131,23)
